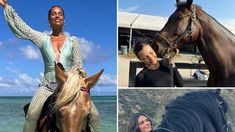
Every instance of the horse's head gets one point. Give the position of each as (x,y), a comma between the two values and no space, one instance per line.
(200,111)
(181,28)
(73,103)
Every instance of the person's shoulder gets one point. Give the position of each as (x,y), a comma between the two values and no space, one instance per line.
(141,74)
(74,39)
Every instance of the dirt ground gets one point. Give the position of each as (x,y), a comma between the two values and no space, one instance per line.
(123,67)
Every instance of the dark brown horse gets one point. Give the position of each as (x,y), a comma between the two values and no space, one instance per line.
(72,104)
(198,111)
(190,24)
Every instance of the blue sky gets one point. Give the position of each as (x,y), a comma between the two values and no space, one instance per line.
(93,22)
(223,11)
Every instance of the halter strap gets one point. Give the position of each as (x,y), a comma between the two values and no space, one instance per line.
(188,30)
(227,123)
(85,89)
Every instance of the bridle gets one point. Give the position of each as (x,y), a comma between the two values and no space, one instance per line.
(188,30)
(85,89)
(224,116)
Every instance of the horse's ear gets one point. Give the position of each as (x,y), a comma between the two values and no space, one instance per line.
(183,2)
(189,2)
(90,81)
(59,73)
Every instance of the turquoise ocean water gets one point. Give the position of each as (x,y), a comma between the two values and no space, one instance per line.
(12,116)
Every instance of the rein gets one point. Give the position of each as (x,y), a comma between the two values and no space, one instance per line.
(188,30)
(225,119)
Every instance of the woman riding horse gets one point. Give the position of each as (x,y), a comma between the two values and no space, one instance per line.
(54,47)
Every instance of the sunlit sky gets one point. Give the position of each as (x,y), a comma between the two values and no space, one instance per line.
(95,26)
(223,11)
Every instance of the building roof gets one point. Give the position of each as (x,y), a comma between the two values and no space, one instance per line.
(148,22)
(140,21)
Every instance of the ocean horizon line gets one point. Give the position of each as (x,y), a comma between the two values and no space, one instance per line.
(7,96)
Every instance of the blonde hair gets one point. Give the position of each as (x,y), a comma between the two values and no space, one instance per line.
(70,89)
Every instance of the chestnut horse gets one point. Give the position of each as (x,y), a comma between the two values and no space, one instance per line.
(190,24)
(198,111)
(72,104)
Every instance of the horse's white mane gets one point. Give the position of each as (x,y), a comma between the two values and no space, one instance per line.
(70,88)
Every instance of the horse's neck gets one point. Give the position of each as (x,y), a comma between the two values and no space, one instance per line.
(216,45)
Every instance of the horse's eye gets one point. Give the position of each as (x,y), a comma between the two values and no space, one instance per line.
(178,17)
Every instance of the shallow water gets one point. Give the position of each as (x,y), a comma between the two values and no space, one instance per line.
(12,116)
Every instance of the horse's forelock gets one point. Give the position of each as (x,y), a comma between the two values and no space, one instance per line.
(184,2)
(69,90)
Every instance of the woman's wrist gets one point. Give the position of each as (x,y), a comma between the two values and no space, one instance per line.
(4,5)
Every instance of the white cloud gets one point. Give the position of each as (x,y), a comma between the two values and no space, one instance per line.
(94,53)
(1,44)
(228,21)
(26,79)
(30,52)
(41,74)
(21,84)
(86,47)
(107,80)
(131,8)
(102,91)
(5,85)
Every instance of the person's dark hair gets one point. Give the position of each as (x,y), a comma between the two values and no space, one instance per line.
(133,125)
(49,12)
(155,48)
(139,46)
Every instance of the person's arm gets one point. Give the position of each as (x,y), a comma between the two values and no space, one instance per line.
(177,78)
(139,80)
(3,3)
(173,55)
(76,55)
(20,28)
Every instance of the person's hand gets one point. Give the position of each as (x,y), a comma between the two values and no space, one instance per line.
(173,53)
(3,3)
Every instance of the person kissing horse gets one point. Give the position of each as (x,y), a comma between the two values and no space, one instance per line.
(190,24)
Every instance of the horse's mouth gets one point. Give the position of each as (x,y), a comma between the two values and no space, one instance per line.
(163,53)
(161,45)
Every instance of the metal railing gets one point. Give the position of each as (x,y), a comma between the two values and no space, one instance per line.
(137,64)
